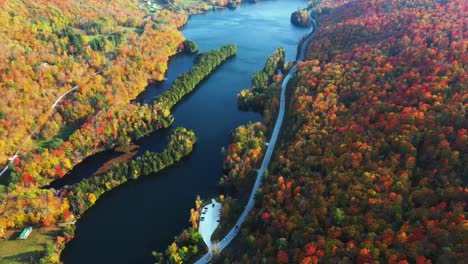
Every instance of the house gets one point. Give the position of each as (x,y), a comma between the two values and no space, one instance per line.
(25,233)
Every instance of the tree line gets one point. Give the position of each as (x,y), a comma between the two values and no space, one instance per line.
(371,166)
(205,63)
(83,194)
(263,90)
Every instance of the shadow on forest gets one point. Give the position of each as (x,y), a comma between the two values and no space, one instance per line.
(26,257)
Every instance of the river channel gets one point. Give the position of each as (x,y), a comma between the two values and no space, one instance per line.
(126,224)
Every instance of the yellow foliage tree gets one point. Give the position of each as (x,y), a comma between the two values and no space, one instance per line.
(92,198)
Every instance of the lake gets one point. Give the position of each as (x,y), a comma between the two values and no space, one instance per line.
(126,224)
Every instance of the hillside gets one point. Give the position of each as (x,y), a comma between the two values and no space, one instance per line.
(51,46)
(106,51)
(69,72)
(372,166)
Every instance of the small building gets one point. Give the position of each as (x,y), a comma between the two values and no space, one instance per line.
(25,233)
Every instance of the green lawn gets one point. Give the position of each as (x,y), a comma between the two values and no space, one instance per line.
(56,142)
(88,38)
(193,2)
(139,31)
(15,251)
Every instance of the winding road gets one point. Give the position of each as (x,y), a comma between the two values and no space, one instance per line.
(266,159)
(63,95)
(12,159)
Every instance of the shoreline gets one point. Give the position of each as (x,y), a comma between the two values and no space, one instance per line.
(302,47)
(207,65)
(97,150)
(70,223)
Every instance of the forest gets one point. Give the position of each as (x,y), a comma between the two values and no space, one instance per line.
(82,195)
(301,18)
(205,63)
(263,95)
(372,165)
(48,53)
(71,74)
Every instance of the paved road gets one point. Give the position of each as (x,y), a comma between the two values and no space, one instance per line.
(266,160)
(11,159)
(69,91)
(63,95)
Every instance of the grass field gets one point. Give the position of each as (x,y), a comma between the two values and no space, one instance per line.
(16,251)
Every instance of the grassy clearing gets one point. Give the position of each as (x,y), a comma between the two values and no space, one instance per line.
(66,131)
(16,251)
(57,141)
(139,31)
(88,38)
(197,4)
(192,2)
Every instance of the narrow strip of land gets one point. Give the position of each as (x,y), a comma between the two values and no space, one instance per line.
(266,159)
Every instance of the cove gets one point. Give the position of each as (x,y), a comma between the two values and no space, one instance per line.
(126,224)
(153,142)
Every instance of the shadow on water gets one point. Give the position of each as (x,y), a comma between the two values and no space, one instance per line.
(153,142)
(126,224)
(84,169)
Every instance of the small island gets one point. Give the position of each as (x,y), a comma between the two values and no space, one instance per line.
(301,18)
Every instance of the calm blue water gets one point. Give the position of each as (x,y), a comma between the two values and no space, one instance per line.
(178,64)
(126,224)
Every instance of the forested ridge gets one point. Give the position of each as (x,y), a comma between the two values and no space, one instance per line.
(372,165)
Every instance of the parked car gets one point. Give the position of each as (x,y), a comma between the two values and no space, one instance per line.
(203,218)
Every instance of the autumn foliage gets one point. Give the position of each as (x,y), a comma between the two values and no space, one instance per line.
(243,155)
(85,193)
(107,50)
(47,50)
(373,167)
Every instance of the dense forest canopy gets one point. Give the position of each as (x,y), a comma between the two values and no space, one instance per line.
(372,167)
(70,81)
(372,164)
(99,55)
(52,46)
